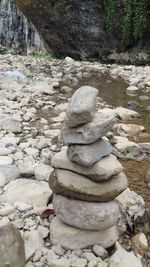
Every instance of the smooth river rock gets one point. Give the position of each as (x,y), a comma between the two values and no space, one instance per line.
(90,132)
(86,155)
(82,106)
(79,187)
(86,215)
(74,238)
(36,193)
(122,258)
(12,252)
(101,170)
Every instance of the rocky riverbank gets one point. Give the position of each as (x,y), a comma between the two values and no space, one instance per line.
(34,98)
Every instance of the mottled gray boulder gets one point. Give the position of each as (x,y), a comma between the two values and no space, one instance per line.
(79,187)
(9,173)
(82,106)
(12,252)
(122,258)
(11,126)
(29,191)
(86,215)
(101,170)
(75,238)
(90,132)
(86,155)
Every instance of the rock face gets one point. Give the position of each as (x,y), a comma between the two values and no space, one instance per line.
(82,31)
(85,215)
(11,247)
(15,31)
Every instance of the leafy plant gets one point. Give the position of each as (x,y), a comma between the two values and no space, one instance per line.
(133,18)
(43,55)
(126,152)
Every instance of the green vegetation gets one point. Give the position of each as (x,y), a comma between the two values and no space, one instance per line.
(126,152)
(44,55)
(132,20)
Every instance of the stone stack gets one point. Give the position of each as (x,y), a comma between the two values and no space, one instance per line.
(87,177)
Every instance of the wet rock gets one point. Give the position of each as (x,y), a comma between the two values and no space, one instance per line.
(74,238)
(77,186)
(86,155)
(29,191)
(11,247)
(86,215)
(82,106)
(122,258)
(101,170)
(90,132)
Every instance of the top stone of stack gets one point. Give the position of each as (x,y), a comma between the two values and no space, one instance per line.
(82,107)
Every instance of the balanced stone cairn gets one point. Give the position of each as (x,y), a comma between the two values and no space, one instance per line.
(87,177)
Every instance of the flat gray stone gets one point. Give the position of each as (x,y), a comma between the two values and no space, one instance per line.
(87,155)
(11,125)
(36,193)
(90,132)
(79,187)
(75,238)
(82,106)
(101,170)
(11,247)
(86,215)
(122,258)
